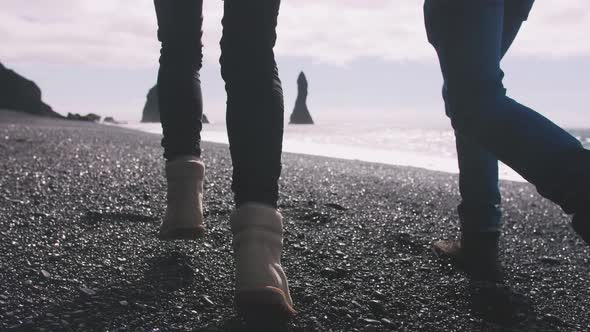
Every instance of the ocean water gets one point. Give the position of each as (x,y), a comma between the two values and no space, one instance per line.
(381,140)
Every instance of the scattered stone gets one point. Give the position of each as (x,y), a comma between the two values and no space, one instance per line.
(299,246)
(328,273)
(357,304)
(379,294)
(318,217)
(550,260)
(386,322)
(124,303)
(45,274)
(208,300)
(336,206)
(371,321)
(87,291)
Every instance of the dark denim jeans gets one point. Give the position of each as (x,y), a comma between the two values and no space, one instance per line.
(471,37)
(479,210)
(254,94)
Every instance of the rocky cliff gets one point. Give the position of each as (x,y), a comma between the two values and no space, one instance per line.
(21,94)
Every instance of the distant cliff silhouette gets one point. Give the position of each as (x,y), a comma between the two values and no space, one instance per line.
(151,110)
(300,113)
(90,117)
(21,94)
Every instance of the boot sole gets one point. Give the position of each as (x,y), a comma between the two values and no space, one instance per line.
(186,234)
(266,305)
(460,263)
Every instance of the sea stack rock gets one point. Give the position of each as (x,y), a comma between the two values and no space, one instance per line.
(20,94)
(300,113)
(151,110)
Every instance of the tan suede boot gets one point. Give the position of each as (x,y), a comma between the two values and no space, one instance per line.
(184,211)
(262,290)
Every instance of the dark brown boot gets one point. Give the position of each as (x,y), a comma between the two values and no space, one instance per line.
(476,253)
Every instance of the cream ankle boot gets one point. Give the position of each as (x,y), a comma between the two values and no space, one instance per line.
(184,212)
(262,290)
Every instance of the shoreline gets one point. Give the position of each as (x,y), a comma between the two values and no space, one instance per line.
(80,204)
(392,157)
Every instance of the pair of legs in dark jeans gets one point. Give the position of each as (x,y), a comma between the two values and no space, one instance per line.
(254,93)
(471,38)
(255,130)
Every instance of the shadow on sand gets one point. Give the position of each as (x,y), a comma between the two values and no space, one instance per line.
(498,304)
(147,302)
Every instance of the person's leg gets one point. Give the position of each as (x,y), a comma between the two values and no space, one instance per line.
(255,108)
(468,40)
(179,87)
(255,130)
(479,211)
(181,109)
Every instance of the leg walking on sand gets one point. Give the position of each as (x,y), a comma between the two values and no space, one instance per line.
(181,108)
(479,211)
(254,118)
(255,129)
(470,39)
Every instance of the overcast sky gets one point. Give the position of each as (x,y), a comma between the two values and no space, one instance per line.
(101,56)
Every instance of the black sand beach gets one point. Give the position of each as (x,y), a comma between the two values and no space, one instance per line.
(80,204)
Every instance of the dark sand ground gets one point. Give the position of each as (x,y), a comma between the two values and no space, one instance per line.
(80,204)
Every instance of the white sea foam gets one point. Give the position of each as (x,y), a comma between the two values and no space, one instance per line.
(432,148)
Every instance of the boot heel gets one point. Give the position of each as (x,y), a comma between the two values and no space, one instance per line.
(268,304)
(262,290)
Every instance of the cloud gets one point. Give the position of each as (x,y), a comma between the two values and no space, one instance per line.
(123,33)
